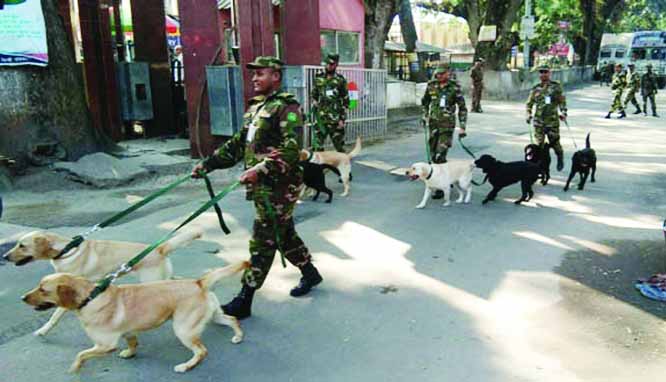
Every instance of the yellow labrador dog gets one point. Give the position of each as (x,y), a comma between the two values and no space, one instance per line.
(341,161)
(123,311)
(442,177)
(94,259)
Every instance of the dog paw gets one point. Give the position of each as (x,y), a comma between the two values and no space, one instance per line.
(40,332)
(181,368)
(566,189)
(446,204)
(76,366)
(420,206)
(236,339)
(344,194)
(485,201)
(127,353)
(518,202)
(459,200)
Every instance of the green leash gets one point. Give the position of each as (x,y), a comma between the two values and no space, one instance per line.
(218,210)
(313,135)
(78,239)
(427,140)
(465,148)
(104,284)
(271,214)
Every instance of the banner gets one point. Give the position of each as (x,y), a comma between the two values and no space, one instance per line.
(23,34)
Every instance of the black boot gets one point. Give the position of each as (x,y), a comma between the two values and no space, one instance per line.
(608,115)
(622,115)
(654,114)
(311,277)
(241,306)
(439,194)
(560,161)
(638,111)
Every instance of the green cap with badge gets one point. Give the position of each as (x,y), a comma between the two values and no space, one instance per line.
(332,58)
(261,62)
(544,68)
(442,68)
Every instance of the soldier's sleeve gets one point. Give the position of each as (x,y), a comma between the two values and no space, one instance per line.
(285,157)
(425,101)
(316,92)
(563,101)
(462,109)
(530,103)
(230,153)
(344,91)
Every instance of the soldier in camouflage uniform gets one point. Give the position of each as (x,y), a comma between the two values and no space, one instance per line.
(649,90)
(477,85)
(617,86)
(439,102)
(548,96)
(268,143)
(331,101)
(634,85)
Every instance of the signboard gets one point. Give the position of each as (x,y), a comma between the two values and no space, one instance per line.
(564,25)
(23,34)
(527,27)
(353,95)
(559,49)
(488,33)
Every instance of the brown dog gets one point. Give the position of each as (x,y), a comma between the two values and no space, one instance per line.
(122,311)
(94,259)
(341,161)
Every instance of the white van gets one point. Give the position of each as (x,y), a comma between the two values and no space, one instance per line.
(615,48)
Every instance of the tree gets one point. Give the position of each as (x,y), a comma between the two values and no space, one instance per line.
(501,13)
(642,15)
(47,104)
(598,16)
(379,15)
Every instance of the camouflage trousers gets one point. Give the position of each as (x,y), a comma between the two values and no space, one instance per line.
(652,103)
(631,97)
(617,103)
(273,231)
(553,134)
(330,129)
(440,140)
(477,90)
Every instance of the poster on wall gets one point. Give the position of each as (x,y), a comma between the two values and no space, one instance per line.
(23,34)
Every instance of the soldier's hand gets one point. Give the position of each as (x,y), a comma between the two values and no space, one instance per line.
(198,171)
(462,133)
(249,177)
(563,117)
(529,120)
(341,124)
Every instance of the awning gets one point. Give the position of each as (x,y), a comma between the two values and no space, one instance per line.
(420,47)
(225,4)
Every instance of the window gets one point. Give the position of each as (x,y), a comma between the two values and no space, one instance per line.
(658,54)
(638,54)
(619,54)
(605,54)
(346,44)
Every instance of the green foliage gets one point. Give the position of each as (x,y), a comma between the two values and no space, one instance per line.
(547,14)
(641,15)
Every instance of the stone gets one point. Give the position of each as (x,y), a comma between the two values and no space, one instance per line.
(102,170)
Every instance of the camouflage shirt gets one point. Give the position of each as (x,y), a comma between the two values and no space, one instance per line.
(634,80)
(619,82)
(332,96)
(477,75)
(648,84)
(439,102)
(547,98)
(270,134)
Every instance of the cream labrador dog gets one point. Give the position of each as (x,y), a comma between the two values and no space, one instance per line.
(123,311)
(94,259)
(442,177)
(341,161)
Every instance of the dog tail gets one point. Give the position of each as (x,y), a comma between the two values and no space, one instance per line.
(357,148)
(209,280)
(587,141)
(332,168)
(178,241)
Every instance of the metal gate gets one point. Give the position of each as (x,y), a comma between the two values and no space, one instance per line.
(368,120)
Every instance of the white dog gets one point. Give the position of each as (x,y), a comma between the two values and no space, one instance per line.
(94,259)
(442,177)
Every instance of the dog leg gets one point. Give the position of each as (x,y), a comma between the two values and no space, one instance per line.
(461,195)
(447,196)
(594,172)
(200,352)
(468,195)
(571,175)
(525,190)
(53,321)
(491,195)
(583,179)
(345,184)
(96,351)
(426,195)
(132,343)
(316,196)
(222,319)
(330,195)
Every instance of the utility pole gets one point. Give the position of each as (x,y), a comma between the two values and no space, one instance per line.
(526,45)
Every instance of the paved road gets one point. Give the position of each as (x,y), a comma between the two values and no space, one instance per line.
(541,292)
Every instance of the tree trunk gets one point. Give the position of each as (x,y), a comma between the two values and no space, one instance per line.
(379,15)
(47,104)
(504,14)
(410,37)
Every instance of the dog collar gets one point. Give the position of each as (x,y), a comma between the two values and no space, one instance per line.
(432,169)
(310,156)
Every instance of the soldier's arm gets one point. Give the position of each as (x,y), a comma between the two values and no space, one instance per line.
(316,92)
(285,157)
(563,102)
(425,101)
(530,103)
(462,109)
(230,153)
(344,91)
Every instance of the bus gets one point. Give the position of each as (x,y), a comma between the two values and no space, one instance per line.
(615,48)
(649,47)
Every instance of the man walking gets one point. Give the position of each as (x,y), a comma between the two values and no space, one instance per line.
(269,145)
(634,85)
(331,101)
(649,90)
(548,97)
(477,85)
(439,102)
(617,86)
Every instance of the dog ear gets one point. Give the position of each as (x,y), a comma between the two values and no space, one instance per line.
(303,155)
(67,296)
(44,247)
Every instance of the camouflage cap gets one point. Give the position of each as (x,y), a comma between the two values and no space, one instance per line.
(544,68)
(332,58)
(481,60)
(618,65)
(266,62)
(631,65)
(442,68)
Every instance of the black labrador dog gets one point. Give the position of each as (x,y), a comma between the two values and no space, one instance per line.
(314,177)
(501,174)
(581,163)
(541,157)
